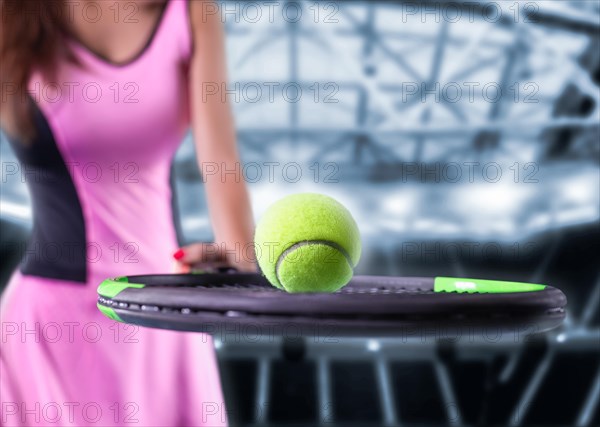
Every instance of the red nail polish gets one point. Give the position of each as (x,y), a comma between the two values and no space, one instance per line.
(179,254)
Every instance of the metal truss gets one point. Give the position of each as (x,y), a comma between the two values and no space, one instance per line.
(392,107)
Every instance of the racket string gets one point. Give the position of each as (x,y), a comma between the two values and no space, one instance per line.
(267,288)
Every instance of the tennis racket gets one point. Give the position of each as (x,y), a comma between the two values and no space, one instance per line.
(229,305)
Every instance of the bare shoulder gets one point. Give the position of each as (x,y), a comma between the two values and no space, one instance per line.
(205,16)
(207,33)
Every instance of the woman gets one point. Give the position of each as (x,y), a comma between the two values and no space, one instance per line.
(96,97)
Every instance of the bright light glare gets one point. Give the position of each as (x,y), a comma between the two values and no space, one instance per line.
(373,345)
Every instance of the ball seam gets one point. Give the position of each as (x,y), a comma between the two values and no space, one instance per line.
(295,246)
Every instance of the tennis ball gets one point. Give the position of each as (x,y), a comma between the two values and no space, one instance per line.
(307,243)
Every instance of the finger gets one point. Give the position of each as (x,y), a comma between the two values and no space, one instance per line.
(180,268)
(198,252)
(246,267)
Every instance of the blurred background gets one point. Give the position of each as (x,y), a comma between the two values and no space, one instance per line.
(465,140)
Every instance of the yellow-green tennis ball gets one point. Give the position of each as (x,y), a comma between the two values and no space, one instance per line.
(307,243)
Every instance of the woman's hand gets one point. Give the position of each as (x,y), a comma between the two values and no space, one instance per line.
(198,254)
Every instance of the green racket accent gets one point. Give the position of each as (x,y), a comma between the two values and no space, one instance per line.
(479,286)
(110,288)
(109,312)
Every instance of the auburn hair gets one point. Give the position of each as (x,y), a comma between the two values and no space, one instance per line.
(32,38)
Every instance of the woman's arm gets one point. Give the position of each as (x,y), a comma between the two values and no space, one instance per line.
(215,139)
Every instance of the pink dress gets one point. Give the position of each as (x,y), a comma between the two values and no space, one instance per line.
(98,172)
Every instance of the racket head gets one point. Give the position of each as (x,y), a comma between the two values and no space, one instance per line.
(239,305)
